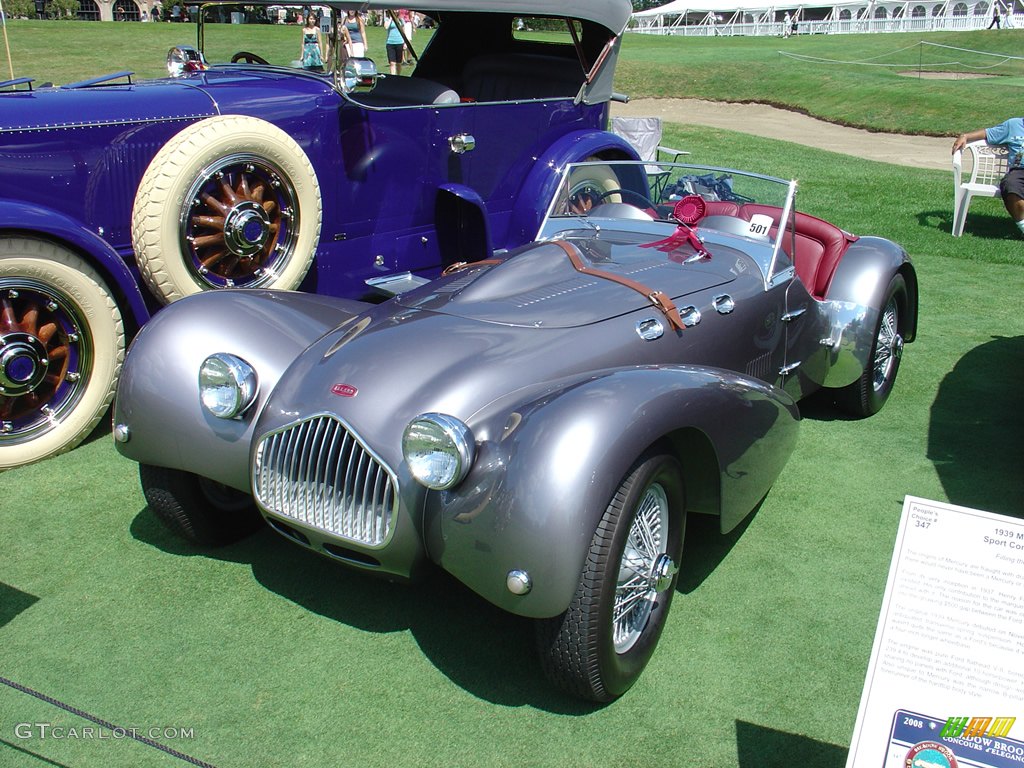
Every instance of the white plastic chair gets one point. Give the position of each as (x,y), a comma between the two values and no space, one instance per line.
(644,134)
(989,166)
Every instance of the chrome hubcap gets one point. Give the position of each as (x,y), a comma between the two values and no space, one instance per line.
(246,229)
(646,569)
(888,346)
(663,572)
(23,364)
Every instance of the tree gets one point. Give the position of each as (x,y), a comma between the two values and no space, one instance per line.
(62,9)
(19,9)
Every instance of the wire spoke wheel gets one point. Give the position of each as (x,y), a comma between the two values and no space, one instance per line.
(599,647)
(888,345)
(637,585)
(197,509)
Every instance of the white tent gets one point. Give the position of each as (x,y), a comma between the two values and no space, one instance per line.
(762,17)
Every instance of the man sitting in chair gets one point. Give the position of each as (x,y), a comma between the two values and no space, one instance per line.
(1011,135)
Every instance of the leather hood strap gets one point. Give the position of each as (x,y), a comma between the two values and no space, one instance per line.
(660,300)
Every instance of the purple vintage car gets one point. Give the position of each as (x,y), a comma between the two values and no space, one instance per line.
(121,196)
(537,422)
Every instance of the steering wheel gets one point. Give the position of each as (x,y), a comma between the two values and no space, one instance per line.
(647,202)
(248,58)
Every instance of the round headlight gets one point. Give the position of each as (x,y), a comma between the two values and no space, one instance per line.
(438,449)
(227,385)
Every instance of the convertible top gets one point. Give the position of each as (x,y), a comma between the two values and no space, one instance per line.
(610,14)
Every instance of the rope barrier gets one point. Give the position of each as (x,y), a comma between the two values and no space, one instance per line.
(128,732)
(1004,58)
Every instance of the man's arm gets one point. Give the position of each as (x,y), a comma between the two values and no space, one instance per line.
(966,138)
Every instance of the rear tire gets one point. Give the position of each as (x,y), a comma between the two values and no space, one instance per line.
(196,509)
(599,647)
(866,396)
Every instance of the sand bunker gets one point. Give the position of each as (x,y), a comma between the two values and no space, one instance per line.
(781,124)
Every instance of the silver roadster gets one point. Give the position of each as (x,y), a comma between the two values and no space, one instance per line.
(537,422)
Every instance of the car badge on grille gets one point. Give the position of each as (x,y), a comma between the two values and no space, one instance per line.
(344,390)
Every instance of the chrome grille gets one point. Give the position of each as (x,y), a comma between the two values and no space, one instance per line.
(319,473)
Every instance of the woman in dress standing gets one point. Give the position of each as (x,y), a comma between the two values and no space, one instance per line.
(356,34)
(395,44)
(312,52)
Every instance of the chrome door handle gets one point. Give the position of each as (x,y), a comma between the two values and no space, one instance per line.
(724,304)
(461,143)
(690,316)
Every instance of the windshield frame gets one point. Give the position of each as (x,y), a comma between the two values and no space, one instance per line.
(776,266)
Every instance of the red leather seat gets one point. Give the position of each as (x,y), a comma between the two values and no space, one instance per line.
(819,246)
(721,208)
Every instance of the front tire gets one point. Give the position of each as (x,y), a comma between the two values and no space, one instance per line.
(196,509)
(866,396)
(61,348)
(230,202)
(599,647)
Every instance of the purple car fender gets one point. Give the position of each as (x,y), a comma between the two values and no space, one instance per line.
(543,477)
(16,218)
(543,178)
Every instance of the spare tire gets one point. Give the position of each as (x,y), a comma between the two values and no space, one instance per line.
(591,185)
(230,202)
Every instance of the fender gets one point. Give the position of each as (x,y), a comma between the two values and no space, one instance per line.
(854,301)
(542,482)
(30,220)
(544,176)
(157,403)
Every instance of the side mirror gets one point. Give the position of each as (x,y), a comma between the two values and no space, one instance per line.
(183,59)
(358,73)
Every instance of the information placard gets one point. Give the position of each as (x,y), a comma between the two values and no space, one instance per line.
(949,644)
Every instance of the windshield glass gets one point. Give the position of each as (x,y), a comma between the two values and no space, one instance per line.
(712,201)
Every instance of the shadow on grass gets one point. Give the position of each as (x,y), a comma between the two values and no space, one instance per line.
(821,406)
(35,755)
(981,225)
(705,547)
(760,747)
(484,650)
(975,427)
(13,601)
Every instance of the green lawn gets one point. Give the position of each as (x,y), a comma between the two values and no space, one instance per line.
(272,656)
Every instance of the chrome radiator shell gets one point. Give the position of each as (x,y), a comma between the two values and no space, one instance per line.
(319,473)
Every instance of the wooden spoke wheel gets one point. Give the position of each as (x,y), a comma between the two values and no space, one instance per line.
(230,202)
(61,346)
(241,221)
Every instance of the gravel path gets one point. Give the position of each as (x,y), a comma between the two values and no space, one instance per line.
(773,123)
